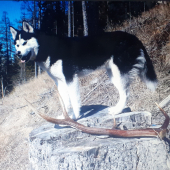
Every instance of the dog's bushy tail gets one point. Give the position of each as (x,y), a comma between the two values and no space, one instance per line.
(148,74)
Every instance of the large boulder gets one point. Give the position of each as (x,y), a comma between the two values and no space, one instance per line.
(64,148)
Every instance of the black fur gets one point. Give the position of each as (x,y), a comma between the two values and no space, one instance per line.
(25,36)
(91,52)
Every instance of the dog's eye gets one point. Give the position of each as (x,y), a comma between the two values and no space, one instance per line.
(24,43)
(17,45)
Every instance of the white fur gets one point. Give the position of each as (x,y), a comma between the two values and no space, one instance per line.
(119,84)
(32,45)
(58,76)
(47,63)
(151,85)
(141,59)
(27,27)
(135,70)
(74,93)
(69,93)
(13,32)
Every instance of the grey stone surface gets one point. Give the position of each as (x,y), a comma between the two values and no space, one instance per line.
(55,148)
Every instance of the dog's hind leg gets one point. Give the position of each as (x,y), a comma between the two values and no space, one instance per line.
(74,93)
(120,83)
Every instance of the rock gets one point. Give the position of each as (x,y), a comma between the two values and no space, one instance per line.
(57,148)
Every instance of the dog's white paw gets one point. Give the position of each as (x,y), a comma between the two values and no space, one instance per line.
(72,117)
(114,110)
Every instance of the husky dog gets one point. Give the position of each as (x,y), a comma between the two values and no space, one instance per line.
(64,59)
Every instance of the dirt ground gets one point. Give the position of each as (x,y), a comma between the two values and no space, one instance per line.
(18,120)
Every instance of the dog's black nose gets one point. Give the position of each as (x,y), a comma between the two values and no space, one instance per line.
(19,52)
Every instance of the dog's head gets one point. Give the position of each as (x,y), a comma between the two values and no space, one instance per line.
(25,42)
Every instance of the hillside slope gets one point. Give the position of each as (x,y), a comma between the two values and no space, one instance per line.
(18,120)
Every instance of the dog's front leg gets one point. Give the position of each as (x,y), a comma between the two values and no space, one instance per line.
(74,93)
(56,73)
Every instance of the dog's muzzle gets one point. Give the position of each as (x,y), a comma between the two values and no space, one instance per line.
(18,53)
(24,58)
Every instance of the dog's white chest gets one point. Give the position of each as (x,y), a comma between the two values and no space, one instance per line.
(55,71)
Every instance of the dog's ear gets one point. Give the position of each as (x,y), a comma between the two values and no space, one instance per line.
(27,27)
(13,32)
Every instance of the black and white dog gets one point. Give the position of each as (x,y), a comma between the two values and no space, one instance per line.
(64,59)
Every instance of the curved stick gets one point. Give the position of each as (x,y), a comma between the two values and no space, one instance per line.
(148,132)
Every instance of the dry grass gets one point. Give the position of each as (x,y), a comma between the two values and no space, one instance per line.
(18,120)
(153,29)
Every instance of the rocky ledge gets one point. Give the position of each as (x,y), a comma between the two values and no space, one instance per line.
(63,148)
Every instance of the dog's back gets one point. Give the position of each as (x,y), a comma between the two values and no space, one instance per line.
(121,54)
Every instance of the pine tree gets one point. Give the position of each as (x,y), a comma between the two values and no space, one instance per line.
(1,56)
(6,53)
(6,40)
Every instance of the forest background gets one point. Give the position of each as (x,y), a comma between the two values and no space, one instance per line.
(61,18)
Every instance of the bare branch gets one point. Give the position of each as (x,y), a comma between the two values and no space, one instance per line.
(148,132)
(166,122)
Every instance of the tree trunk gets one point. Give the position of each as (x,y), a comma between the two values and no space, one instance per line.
(35,70)
(22,73)
(34,25)
(69,19)
(73,17)
(130,13)
(84,18)
(125,10)
(39,16)
(39,70)
(0,58)
(39,27)
(56,29)
(6,39)
(2,87)
(34,28)
(107,12)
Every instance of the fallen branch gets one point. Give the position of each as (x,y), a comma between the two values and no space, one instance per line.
(148,132)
